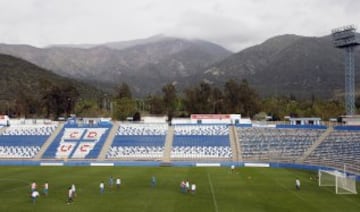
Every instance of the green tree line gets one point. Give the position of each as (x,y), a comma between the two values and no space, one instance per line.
(234,97)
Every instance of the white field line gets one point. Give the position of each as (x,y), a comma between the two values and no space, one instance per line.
(212,193)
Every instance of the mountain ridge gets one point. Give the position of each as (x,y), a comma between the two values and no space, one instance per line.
(282,65)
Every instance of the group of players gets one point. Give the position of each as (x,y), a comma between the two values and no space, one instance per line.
(71,194)
(35,193)
(185,187)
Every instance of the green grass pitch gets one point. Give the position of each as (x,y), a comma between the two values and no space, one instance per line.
(218,190)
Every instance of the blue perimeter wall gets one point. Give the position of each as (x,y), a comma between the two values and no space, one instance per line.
(159,163)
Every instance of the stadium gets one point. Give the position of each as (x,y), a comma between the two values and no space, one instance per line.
(267,158)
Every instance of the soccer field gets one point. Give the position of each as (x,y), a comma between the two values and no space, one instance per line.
(218,190)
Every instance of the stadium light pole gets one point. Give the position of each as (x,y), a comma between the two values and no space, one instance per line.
(345,38)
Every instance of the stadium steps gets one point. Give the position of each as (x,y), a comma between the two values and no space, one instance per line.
(3,129)
(109,141)
(168,144)
(235,145)
(315,144)
(48,142)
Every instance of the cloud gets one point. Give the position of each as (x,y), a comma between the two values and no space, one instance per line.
(231,23)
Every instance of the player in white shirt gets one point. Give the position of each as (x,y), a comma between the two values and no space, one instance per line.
(73,190)
(102,187)
(118,183)
(34,195)
(232,168)
(187,185)
(193,188)
(70,195)
(297,184)
(33,186)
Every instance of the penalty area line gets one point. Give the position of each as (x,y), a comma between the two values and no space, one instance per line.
(212,193)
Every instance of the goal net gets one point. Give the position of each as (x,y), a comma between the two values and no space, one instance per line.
(343,184)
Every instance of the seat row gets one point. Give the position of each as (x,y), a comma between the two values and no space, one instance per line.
(29,130)
(282,144)
(218,152)
(135,152)
(201,130)
(142,129)
(341,147)
(18,151)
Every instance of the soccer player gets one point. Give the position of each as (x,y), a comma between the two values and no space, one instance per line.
(297,184)
(73,191)
(33,186)
(232,168)
(193,188)
(102,187)
(182,186)
(153,181)
(34,195)
(46,189)
(111,181)
(118,183)
(70,195)
(187,185)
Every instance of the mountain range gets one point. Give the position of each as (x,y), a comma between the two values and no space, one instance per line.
(282,65)
(19,78)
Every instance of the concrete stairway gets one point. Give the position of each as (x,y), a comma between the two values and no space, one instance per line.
(47,143)
(316,144)
(109,141)
(234,143)
(168,144)
(2,129)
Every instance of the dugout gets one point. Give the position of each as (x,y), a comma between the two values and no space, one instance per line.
(305,121)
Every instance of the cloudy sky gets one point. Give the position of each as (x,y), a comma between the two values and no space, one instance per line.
(234,24)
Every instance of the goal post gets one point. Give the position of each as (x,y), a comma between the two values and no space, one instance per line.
(343,184)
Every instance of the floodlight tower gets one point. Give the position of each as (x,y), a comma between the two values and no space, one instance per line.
(345,38)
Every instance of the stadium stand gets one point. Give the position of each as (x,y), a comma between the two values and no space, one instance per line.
(23,141)
(275,144)
(201,142)
(341,147)
(138,142)
(189,142)
(78,141)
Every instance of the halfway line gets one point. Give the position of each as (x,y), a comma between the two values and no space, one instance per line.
(212,193)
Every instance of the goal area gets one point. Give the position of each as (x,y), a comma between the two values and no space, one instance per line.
(343,183)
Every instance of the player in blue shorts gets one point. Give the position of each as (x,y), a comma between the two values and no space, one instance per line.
(153,181)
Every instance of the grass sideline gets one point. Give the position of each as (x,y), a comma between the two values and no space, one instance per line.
(218,190)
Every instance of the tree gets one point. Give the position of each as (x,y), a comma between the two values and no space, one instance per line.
(123,108)
(155,104)
(232,97)
(169,98)
(59,100)
(190,100)
(87,107)
(249,99)
(218,101)
(124,91)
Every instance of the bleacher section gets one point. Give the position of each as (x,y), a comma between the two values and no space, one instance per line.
(75,142)
(341,147)
(201,142)
(274,144)
(138,142)
(23,141)
(186,142)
